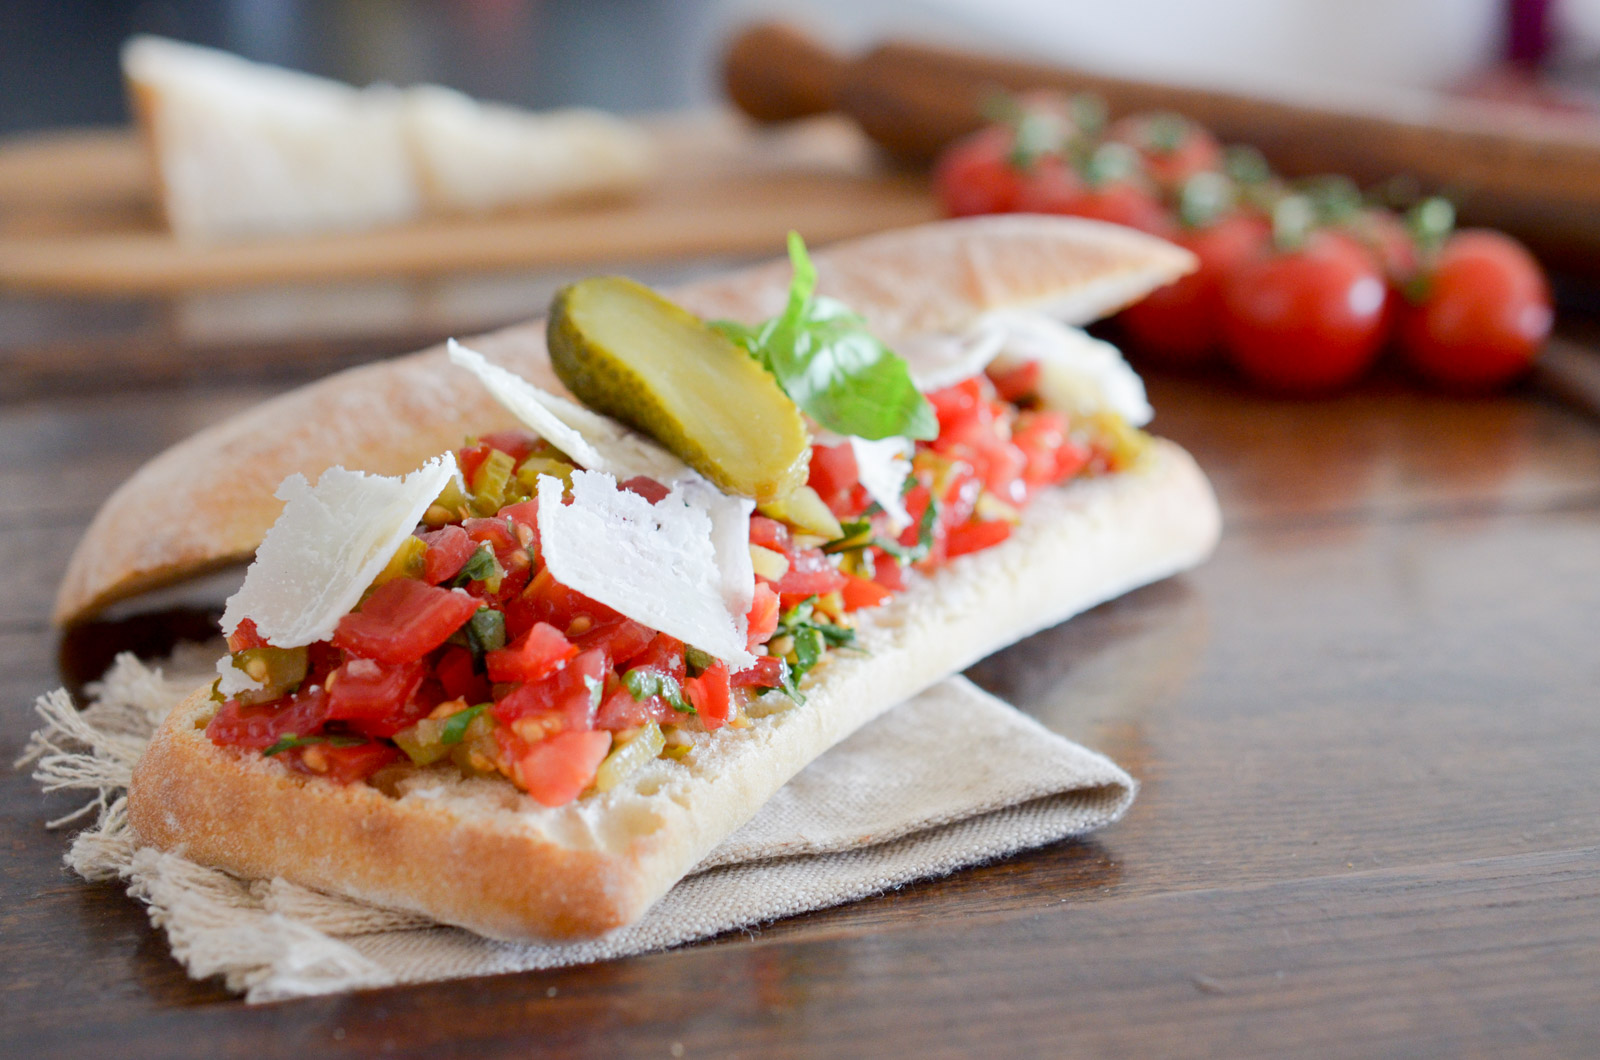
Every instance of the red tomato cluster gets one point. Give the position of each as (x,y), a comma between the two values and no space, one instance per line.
(1300,288)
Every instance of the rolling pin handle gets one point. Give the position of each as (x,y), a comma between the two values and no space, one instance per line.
(776,72)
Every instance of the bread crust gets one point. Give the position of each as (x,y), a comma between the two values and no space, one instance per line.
(208,501)
(483,856)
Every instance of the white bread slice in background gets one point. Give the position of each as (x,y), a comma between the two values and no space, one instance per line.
(245,149)
(474,157)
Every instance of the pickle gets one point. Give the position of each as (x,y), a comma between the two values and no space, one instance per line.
(280,671)
(627,758)
(805,510)
(626,351)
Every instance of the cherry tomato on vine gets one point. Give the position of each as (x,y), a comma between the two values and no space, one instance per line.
(975,174)
(1304,321)
(1172,147)
(1181,323)
(1484,313)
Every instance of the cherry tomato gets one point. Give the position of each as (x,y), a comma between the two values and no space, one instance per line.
(1484,315)
(1181,324)
(975,174)
(1172,147)
(1122,200)
(1303,321)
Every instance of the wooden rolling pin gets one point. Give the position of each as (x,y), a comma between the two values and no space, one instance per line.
(1531,172)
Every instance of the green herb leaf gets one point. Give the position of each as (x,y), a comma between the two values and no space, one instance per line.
(486,630)
(481,566)
(455,727)
(642,684)
(834,369)
(789,684)
(284,743)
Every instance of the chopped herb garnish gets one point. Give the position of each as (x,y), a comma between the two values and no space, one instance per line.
(811,638)
(455,726)
(789,684)
(698,661)
(830,365)
(642,684)
(486,631)
(858,534)
(286,742)
(481,566)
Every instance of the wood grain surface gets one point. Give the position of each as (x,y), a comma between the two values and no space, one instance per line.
(77,214)
(1366,734)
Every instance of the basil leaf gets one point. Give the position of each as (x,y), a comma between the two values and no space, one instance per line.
(486,630)
(789,684)
(480,567)
(834,369)
(642,684)
(918,552)
(284,743)
(455,727)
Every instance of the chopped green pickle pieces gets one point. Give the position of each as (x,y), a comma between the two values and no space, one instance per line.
(626,758)
(628,352)
(279,670)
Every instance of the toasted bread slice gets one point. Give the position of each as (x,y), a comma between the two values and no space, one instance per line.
(208,501)
(478,853)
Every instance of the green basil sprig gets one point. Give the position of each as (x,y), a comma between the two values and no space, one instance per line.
(830,365)
(642,684)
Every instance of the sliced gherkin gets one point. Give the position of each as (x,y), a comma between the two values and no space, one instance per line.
(630,353)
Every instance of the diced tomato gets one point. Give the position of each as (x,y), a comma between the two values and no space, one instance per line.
(497,532)
(957,403)
(762,621)
(646,487)
(972,537)
(769,533)
(376,700)
(518,444)
(448,551)
(1017,383)
(917,501)
(1040,436)
(665,655)
(711,695)
(765,672)
(834,475)
(547,600)
(536,654)
(342,765)
(622,640)
(619,710)
(810,574)
(886,571)
(568,695)
(245,636)
(471,458)
(402,621)
(258,727)
(557,768)
(457,676)
(859,593)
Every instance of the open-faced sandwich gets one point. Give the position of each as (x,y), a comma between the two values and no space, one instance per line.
(530,684)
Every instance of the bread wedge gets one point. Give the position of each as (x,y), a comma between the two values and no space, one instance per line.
(207,502)
(480,854)
(245,149)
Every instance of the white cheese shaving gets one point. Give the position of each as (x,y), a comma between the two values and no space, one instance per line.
(655,563)
(940,360)
(1080,373)
(593,441)
(329,543)
(234,680)
(882,467)
(730,538)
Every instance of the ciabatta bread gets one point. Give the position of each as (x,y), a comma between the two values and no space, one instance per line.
(208,501)
(480,854)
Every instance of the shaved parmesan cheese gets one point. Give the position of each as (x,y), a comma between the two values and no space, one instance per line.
(882,467)
(234,680)
(730,538)
(655,563)
(1080,372)
(330,542)
(940,360)
(593,441)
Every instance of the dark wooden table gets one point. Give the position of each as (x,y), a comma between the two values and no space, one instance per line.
(1368,734)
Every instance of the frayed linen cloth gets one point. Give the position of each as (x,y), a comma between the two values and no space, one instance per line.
(947,780)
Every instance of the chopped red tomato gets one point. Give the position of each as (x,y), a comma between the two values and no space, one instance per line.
(665,655)
(1019,383)
(762,620)
(448,551)
(547,600)
(259,727)
(518,444)
(765,672)
(457,676)
(711,694)
(471,458)
(402,621)
(622,640)
(646,487)
(536,654)
(376,700)
(769,533)
(568,697)
(886,571)
(859,593)
(557,768)
(972,537)
(834,475)
(343,765)
(809,574)
(245,636)
(499,534)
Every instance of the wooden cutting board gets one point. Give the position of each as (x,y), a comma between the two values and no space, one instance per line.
(78,214)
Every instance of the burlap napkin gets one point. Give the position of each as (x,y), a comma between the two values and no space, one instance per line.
(947,780)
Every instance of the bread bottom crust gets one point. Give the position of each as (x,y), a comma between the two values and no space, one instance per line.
(479,854)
